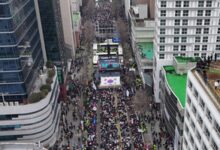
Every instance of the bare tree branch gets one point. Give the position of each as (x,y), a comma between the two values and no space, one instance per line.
(123,31)
(89,33)
(89,10)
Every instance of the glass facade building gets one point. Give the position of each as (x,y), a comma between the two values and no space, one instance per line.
(47,13)
(19,63)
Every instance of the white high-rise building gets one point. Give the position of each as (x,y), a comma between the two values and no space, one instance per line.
(36,120)
(184,28)
(201,129)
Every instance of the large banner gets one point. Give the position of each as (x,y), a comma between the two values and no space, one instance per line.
(110,81)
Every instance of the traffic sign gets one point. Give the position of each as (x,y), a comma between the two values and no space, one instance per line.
(116,40)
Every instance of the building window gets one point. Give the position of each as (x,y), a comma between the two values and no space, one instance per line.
(200,121)
(175,55)
(178,3)
(196,93)
(202,104)
(185,22)
(218,39)
(196,54)
(207,133)
(185,142)
(193,125)
(198,136)
(163,13)
(189,102)
(185,12)
(176,39)
(206,31)
(183,39)
(187,113)
(176,31)
(194,110)
(162,48)
(162,39)
(196,148)
(200,13)
(214,145)
(204,47)
(197,48)
(190,84)
(203,55)
(217,47)
(199,22)
(208,3)
(177,13)
(186,128)
(183,54)
(191,140)
(161,56)
(186,4)
(208,13)
(198,30)
(175,48)
(201,3)
(207,22)
(184,31)
(218,30)
(183,48)
(204,147)
(162,22)
(162,31)
(205,39)
(209,116)
(163,4)
(217,128)
(197,39)
(177,22)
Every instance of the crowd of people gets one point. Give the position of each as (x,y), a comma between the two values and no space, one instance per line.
(104,14)
(110,121)
(90,119)
(107,119)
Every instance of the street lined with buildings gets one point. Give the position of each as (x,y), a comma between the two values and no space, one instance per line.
(110,74)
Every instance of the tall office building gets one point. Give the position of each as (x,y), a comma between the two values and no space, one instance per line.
(21,52)
(202,109)
(184,28)
(173,95)
(66,19)
(142,27)
(29,108)
(50,31)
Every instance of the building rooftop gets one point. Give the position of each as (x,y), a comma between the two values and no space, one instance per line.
(187,59)
(147,49)
(211,77)
(177,83)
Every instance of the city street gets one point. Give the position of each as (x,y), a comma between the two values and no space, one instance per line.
(109,118)
(113,118)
